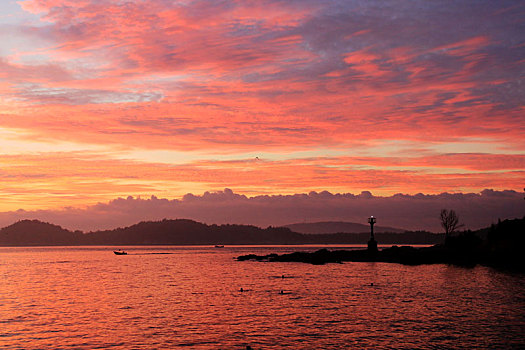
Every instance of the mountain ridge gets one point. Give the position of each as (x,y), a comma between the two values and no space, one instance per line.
(321,227)
(189,232)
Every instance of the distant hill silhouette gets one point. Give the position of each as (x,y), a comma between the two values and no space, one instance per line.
(37,233)
(165,232)
(408,237)
(338,227)
(499,245)
(189,232)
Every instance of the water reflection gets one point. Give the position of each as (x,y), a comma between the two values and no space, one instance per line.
(88,297)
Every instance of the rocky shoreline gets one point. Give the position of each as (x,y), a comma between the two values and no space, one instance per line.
(406,255)
(501,247)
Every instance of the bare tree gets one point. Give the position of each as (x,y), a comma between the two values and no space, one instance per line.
(449,221)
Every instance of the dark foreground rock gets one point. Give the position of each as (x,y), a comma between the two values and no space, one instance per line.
(438,254)
(403,255)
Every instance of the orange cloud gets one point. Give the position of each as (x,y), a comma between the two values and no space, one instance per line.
(76,179)
(232,78)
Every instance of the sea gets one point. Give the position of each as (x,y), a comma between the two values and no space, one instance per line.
(171,297)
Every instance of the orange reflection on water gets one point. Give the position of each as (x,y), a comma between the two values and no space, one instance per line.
(84,298)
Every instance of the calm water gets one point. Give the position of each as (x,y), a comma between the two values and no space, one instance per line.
(87,297)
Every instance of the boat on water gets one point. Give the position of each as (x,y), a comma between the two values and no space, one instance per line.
(219,246)
(120,252)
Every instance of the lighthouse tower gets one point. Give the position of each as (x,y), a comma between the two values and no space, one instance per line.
(372,243)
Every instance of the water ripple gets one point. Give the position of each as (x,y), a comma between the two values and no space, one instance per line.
(168,297)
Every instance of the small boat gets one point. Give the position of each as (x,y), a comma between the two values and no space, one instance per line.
(120,252)
(219,246)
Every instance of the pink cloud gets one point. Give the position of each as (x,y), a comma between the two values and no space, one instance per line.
(20,73)
(464,161)
(364,62)
(235,77)
(255,72)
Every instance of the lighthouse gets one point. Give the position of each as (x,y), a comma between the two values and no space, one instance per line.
(372,243)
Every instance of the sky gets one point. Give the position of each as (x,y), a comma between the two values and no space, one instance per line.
(109,101)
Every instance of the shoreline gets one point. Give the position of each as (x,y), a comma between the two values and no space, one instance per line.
(405,255)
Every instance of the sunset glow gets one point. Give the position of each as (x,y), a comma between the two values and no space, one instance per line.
(107,99)
(262,174)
